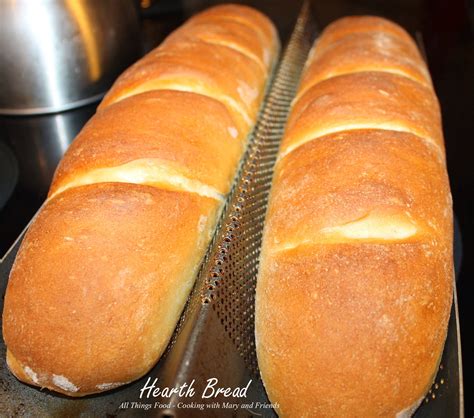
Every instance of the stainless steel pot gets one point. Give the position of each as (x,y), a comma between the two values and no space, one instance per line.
(39,142)
(60,54)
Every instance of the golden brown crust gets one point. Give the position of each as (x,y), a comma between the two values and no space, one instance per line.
(225,53)
(362,52)
(229,33)
(94,256)
(350,25)
(352,329)
(355,284)
(212,70)
(374,100)
(344,178)
(191,133)
(247,16)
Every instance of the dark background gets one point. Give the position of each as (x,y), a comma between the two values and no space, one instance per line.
(446,29)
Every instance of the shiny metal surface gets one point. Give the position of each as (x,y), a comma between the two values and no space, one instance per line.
(60,54)
(39,143)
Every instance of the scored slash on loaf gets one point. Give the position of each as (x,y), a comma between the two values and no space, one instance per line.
(355,283)
(104,271)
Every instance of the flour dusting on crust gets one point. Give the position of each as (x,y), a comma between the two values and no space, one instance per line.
(64,383)
(31,374)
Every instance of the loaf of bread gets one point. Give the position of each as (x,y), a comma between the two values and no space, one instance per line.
(105,269)
(355,283)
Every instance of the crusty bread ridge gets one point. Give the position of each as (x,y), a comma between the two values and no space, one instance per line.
(104,271)
(355,283)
